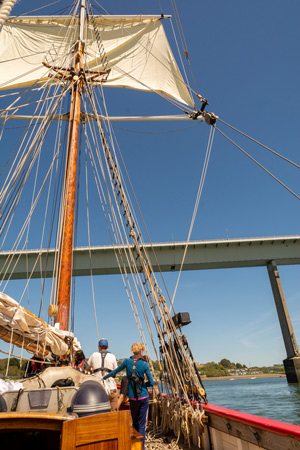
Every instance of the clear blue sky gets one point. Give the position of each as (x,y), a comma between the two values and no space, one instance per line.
(244,58)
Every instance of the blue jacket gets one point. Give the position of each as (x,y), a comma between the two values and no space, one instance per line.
(141,370)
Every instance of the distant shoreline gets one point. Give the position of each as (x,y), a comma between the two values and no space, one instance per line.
(243,377)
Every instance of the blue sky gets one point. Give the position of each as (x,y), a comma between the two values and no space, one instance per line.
(244,60)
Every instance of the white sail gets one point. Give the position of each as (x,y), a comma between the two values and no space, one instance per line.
(137,51)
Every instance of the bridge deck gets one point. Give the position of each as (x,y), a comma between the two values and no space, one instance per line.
(212,254)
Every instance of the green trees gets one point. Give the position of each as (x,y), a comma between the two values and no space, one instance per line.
(212,369)
(227,368)
(225,363)
(14,370)
(221,369)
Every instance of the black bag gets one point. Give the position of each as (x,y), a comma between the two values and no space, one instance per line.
(63,382)
(136,380)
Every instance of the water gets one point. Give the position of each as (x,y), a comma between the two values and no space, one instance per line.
(273,398)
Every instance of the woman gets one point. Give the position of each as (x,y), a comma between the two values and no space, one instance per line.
(80,362)
(136,369)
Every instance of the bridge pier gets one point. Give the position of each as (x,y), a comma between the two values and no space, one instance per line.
(292,362)
(292,369)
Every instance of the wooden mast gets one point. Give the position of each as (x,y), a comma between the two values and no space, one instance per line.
(66,247)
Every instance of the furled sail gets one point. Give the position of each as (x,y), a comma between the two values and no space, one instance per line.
(136,50)
(24,329)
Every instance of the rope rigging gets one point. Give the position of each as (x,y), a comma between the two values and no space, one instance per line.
(176,362)
(260,165)
(201,184)
(259,143)
(172,350)
(182,380)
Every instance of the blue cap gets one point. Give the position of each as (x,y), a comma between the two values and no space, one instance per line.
(103,342)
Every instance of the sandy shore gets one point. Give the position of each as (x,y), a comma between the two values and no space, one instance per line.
(243,377)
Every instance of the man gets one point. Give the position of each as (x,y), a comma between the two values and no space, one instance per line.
(101,363)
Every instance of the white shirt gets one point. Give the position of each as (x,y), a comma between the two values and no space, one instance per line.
(110,363)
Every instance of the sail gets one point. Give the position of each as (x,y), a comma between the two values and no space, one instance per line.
(19,326)
(136,50)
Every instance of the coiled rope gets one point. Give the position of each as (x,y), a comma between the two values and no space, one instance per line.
(169,414)
(156,438)
(5,10)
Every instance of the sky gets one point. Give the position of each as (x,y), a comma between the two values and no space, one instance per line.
(244,60)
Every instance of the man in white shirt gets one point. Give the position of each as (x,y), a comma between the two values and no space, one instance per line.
(100,363)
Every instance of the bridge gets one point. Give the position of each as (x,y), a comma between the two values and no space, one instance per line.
(211,254)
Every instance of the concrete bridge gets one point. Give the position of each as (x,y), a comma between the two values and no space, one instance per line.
(212,254)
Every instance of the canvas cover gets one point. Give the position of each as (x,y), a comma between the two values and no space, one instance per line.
(136,48)
(16,318)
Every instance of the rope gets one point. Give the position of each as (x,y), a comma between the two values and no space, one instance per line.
(259,143)
(201,184)
(129,249)
(56,149)
(182,65)
(169,415)
(119,256)
(147,278)
(89,242)
(260,165)
(5,10)
(185,51)
(60,398)
(157,440)
(42,7)
(25,359)
(102,53)
(21,234)
(9,353)
(197,122)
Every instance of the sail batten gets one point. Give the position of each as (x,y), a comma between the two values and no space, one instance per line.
(136,48)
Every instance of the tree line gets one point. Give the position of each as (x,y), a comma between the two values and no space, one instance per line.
(225,367)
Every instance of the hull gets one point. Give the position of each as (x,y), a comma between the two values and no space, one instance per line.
(229,430)
(224,429)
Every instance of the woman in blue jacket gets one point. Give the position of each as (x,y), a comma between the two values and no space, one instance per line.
(136,369)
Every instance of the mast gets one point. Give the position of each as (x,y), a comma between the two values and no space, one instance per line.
(66,245)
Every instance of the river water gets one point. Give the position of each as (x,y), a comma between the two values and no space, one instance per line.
(273,398)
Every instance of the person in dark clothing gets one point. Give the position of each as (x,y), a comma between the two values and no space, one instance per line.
(80,362)
(123,392)
(34,366)
(136,369)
